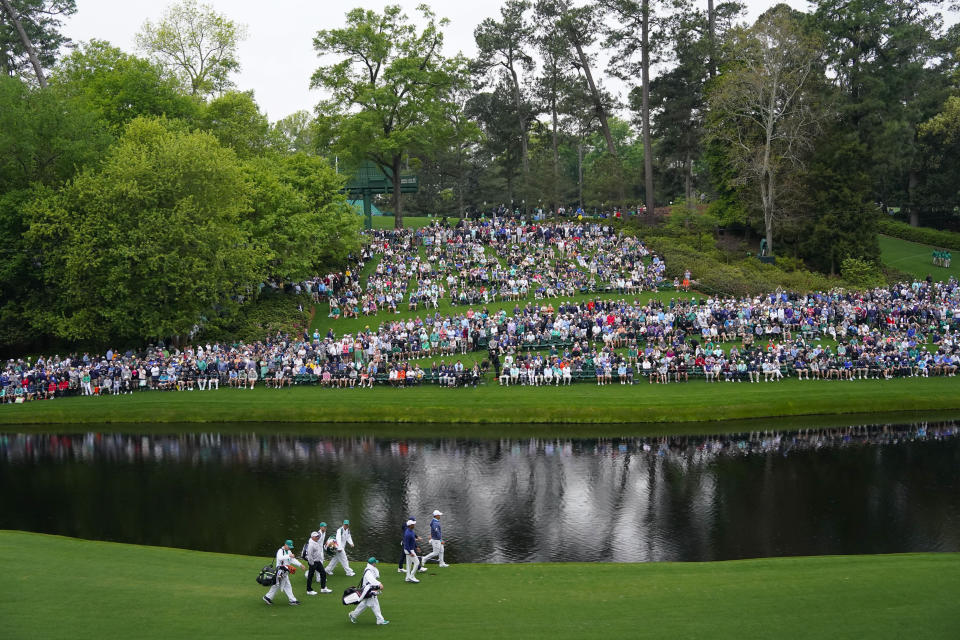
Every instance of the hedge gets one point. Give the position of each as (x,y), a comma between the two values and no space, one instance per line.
(923,235)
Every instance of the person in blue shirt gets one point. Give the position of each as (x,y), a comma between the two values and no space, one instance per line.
(436,541)
(401,566)
(410,551)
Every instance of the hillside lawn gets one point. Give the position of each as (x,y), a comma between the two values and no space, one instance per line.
(85,589)
(678,404)
(915,258)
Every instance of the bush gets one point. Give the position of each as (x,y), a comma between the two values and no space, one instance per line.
(924,235)
(253,321)
(862,274)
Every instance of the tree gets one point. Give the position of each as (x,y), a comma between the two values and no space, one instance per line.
(555,80)
(294,133)
(299,221)
(631,16)
(30,35)
(146,244)
(765,109)
(505,45)
(119,86)
(45,137)
(236,121)
(389,94)
(580,26)
(196,44)
(892,64)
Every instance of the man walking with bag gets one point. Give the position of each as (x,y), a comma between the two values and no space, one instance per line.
(315,562)
(436,541)
(285,562)
(343,539)
(370,588)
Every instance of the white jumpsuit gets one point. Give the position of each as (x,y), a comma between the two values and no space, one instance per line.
(371,579)
(343,539)
(284,559)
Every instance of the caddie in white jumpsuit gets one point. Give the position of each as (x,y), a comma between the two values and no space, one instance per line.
(436,541)
(285,559)
(343,539)
(370,587)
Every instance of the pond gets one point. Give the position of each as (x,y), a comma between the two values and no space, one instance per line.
(850,490)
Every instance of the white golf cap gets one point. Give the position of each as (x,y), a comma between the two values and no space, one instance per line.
(410,522)
(314,534)
(436,512)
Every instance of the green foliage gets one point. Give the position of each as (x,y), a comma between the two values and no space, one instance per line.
(862,274)
(266,316)
(119,86)
(299,222)
(236,121)
(741,278)
(44,135)
(196,44)
(390,92)
(146,244)
(924,235)
(41,20)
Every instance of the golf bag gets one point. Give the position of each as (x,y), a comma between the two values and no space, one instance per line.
(268,576)
(351,596)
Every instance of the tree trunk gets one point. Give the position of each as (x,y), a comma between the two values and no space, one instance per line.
(580,172)
(397,200)
(912,181)
(712,35)
(647,147)
(688,180)
(597,101)
(460,181)
(522,121)
(31,52)
(556,156)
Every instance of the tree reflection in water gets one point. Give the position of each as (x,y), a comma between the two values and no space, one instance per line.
(862,489)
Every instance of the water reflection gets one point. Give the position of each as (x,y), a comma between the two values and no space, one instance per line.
(863,489)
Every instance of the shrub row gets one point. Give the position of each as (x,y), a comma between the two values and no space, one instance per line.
(923,235)
(745,277)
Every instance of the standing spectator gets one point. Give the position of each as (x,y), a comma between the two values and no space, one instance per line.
(343,539)
(370,588)
(436,541)
(284,563)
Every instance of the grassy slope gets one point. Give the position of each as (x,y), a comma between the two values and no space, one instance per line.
(580,403)
(915,258)
(86,589)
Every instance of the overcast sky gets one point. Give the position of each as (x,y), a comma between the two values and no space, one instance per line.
(277,58)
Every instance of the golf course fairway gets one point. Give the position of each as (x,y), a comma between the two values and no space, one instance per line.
(66,588)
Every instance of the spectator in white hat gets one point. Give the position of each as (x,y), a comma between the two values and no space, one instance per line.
(436,541)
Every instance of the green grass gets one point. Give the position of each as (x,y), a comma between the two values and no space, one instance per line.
(409,222)
(65,588)
(914,258)
(582,403)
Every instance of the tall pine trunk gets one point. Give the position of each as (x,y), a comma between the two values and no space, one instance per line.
(397,199)
(25,39)
(647,148)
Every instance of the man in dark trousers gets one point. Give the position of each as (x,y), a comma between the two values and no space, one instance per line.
(315,562)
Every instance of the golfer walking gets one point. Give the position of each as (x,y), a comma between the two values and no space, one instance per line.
(343,539)
(285,561)
(410,551)
(436,541)
(370,588)
(315,562)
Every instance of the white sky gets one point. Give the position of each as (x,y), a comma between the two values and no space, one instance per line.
(277,58)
